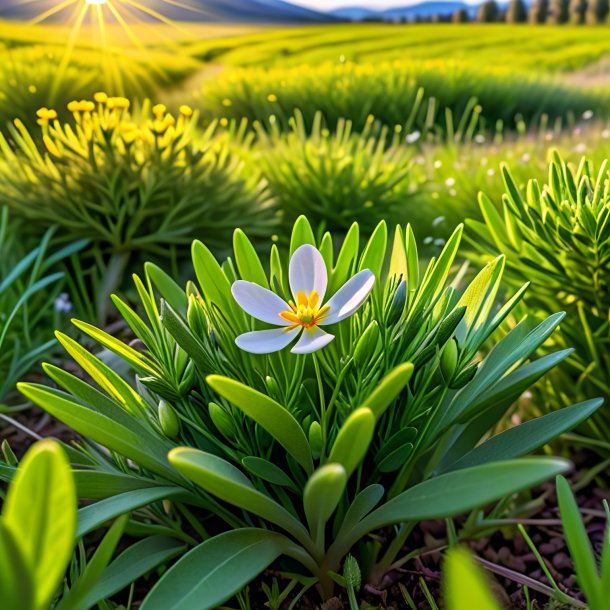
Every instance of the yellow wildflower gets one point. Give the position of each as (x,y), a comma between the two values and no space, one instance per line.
(272,98)
(186,111)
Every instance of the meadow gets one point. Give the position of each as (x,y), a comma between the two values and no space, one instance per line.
(304,317)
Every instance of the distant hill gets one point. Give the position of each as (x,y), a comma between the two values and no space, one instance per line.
(255,11)
(422,9)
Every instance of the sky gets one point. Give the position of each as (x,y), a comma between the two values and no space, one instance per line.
(377,4)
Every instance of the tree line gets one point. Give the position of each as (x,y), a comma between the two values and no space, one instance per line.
(541,11)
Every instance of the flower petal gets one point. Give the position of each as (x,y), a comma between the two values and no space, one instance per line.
(348,299)
(259,302)
(307,272)
(312,340)
(267,341)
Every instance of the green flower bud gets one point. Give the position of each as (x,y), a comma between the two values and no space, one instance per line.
(222,420)
(169,420)
(398,303)
(449,360)
(315,439)
(367,344)
(351,572)
(272,386)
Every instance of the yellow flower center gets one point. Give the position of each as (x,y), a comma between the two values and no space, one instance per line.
(306,312)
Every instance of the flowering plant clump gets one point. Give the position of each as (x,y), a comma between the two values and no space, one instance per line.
(297,456)
(133,181)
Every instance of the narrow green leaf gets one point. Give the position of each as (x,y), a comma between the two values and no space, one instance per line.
(269,414)
(352,442)
(217,569)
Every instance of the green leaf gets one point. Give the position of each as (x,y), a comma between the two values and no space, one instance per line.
(321,496)
(94,515)
(16,577)
(248,263)
(274,418)
(388,389)
(465,587)
(580,547)
(168,289)
(40,512)
(302,234)
(131,440)
(216,570)
(457,492)
(362,505)
(352,442)
(74,598)
(221,479)
(374,253)
(266,470)
(133,563)
(527,437)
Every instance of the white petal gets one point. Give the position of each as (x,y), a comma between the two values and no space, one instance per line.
(260,303)
(266,341)
(312,340)
(348,299)
(307,272)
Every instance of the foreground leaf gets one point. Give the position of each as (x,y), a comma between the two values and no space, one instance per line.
(216,570)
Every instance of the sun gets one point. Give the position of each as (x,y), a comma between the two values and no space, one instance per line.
(129,15)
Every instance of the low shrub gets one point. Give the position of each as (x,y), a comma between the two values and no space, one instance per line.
(558,236)
(298,455)
(340,177)
(134,184)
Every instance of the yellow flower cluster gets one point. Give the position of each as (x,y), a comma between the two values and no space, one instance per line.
(105,116)
(45,115)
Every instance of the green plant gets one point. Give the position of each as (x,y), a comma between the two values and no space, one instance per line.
(592,567)
(133,185)
(435,97)
(302,456)
(465,587)
(558,236)
(31,300)
(38,530)
(340,177)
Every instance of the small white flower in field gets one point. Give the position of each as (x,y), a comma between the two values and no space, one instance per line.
(479,138)
(63,304)
(548,137)
(412,137)
(606,134)
(438,220)
(452,192)
(587,115)
(440,242)
(438,164)
(428,240)
(450,182)
(491,171)
(580,148)
(303,316)
(525,157)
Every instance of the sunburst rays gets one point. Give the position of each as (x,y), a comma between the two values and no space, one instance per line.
(130,16)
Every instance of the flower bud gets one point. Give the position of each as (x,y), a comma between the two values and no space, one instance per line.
(272,387)
(169,420)
(315,439)
(449,359)
(367,344)
(398,303)
(351,572)
(222,420)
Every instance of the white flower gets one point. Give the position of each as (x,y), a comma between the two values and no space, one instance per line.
(412,137)
(303,316)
